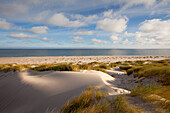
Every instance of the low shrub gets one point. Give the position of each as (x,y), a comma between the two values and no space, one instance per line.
(104,66)
(125,67)
(84,66)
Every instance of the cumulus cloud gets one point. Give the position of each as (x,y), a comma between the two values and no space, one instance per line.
(112,25)
(39,29)
(4,24)
(98,41)
(126,42)
(155,31)
(59,19)
(126,34)
(77,39)
(115,39)
(22,36)
(84,33)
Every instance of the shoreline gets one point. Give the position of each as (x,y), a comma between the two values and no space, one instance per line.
(77,59)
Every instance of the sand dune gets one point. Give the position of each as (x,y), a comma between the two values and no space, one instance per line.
(34,92)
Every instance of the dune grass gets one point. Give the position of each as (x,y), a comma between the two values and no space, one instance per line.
(14,67)
(87,102)
(154,93)
(54,67)
(125,67)
(121,105)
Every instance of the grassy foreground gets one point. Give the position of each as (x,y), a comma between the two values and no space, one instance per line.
(94,100)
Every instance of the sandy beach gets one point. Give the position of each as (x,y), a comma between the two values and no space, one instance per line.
(77,59)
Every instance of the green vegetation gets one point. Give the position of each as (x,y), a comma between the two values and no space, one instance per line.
(95,101)
(54,67)
(125,67)
(88,101)
(153,93)
(13,67)
(120,105)
(139,90)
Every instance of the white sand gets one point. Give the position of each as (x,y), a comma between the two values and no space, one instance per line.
(77,59)
(35,92)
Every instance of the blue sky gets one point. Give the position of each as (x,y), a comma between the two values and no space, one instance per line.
(85,24)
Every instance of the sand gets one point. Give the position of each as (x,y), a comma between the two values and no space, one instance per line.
(35,92)
(76,59)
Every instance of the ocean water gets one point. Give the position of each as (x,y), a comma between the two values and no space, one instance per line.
(81,52)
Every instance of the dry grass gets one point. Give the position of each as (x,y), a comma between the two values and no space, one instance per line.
(151,93)
(87,102)
(121,105)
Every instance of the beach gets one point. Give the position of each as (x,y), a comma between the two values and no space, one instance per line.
(76,59)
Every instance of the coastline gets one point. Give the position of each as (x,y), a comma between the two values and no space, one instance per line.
(76,59)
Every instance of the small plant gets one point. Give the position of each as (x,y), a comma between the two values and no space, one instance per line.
(120,105)
(104,66)
(140,90)
(99,94)
(125,67)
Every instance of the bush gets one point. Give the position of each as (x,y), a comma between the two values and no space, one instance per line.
(84,66)
(58,67)
(112,65)
(104,66)
(125,67)
(163,73)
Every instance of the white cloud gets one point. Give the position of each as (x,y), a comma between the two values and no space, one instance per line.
(126,42)
(45,39)
(108,13)
(155,31)
(126,34)
(84,18)
(4,24)
(77,39)
(129,3)
(39,29)
(22,36)
(59,19)
(98,41)
(115,39)
(85,33)
(112,25)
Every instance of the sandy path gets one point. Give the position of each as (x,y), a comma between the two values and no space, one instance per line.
(77,59)
(33,92)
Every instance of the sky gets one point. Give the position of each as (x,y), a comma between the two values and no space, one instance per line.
(124,24)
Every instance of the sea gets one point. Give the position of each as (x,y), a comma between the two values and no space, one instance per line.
(82,52)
